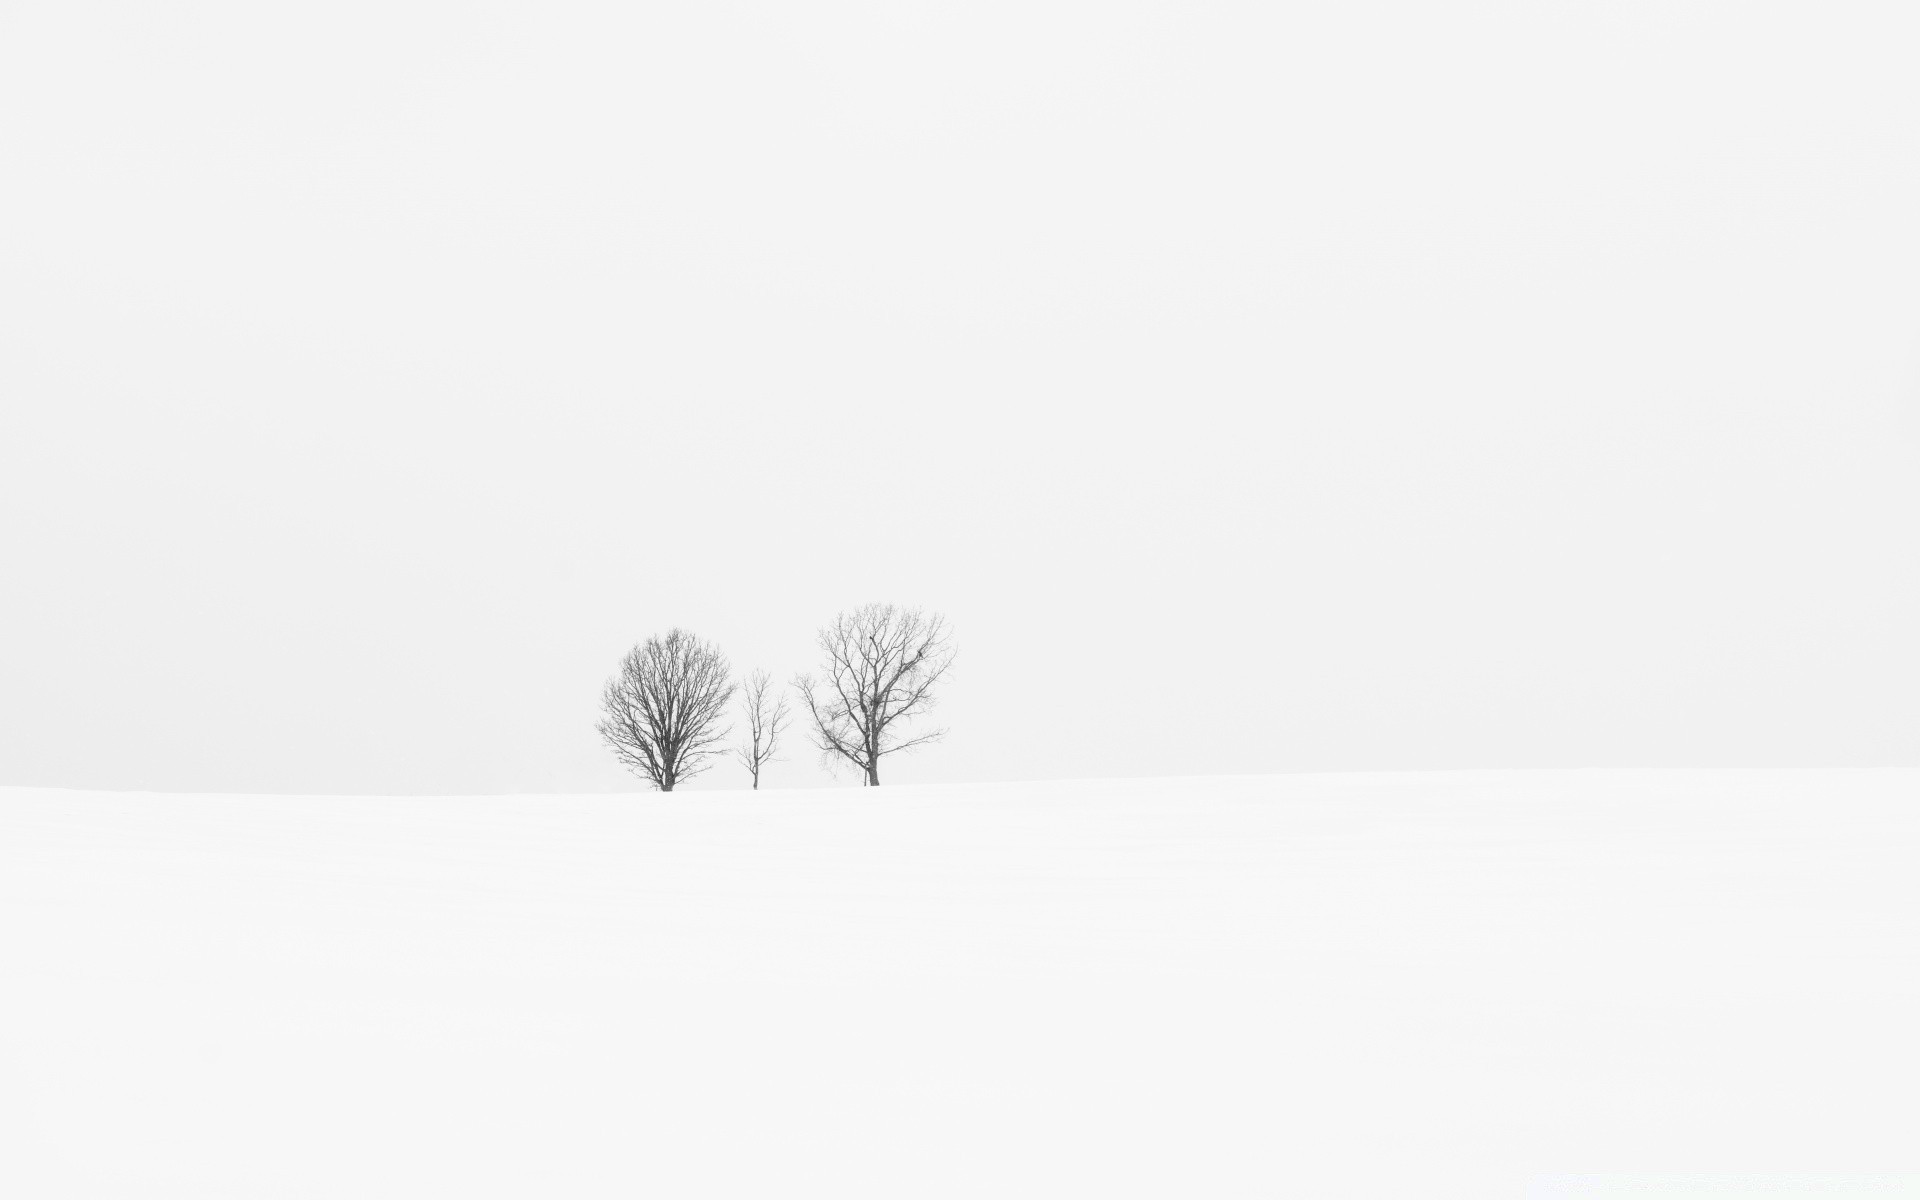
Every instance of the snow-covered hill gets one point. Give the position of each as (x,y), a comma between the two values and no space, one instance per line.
(1302,987)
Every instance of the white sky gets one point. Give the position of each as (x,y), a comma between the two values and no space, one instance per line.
(1256,387)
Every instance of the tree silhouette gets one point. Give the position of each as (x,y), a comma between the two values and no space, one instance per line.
(881,666)
(663,708)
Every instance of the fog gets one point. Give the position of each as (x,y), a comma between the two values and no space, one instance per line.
(1254,388)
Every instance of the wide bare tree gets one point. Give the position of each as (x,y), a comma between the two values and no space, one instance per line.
(766,713)
(663,708)
(881,666)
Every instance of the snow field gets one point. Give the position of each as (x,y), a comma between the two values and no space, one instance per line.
(1461,984)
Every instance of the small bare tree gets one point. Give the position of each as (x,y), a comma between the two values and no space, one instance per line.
(663,709)
(766,717)
(882,665)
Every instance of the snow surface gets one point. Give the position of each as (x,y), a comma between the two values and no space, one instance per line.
(1464,984)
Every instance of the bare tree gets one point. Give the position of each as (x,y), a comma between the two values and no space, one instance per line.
(882,664)
(663,709)
(766,717)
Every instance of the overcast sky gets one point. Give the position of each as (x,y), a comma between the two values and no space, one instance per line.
(1256,387)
